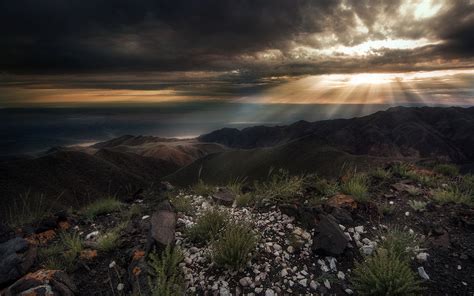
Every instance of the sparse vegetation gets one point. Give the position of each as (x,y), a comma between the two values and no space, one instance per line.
(399,243)
(108,241)
(417,205)
(386,209)
(401,169)
(357,186)
(413,191)
(101,207)
(280,188)
(452,194)
(167,278)
(234,247)
(325,188)
(27,209)
(381,174)
(236,185)
(207,225)
(201,188)
(385,274)
(182,204)
(62,254)
(449,170)
(244,200)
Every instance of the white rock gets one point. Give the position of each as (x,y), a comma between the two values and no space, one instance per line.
(277,247)
(269,292)
(92,235)
(303,282)
(112,264)
(356,236)
(120,287)
(459,267)
(327,284)
(245,281)
(145,217)
(351,230)
(224,291)
(314,285)
(332,263)
(283,272)
(258,290)
(341,275)
(367,241)
(407,214)
(342,227)
(422,257)
(422,273)
(290,249)
(367,250)
(349,291)
(359,229)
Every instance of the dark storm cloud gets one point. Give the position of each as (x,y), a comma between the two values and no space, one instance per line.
(220,35)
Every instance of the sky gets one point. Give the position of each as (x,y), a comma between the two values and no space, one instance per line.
(119,52)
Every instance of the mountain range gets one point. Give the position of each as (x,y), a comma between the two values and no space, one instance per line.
(122,165)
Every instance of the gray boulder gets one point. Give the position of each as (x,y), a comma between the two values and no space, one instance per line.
(16,258)
(328,238)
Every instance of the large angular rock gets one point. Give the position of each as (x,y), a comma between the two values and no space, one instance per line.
(16,258)
(162,227)
(328,238)
(43,282)
(224,196)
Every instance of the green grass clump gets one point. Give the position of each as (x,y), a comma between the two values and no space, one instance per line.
(452,194)
(102,206)
(62,254)
(399,242)
(27,209)
(244,200)
(381,174)
(325,188)
(385,274)
(401,169)
(167,278)
(207,226)
(203,189)
(449,170)
(234,246)
(280,188)
(386,209)
(466,184)
(357,186)
(182,204)
(236,185)
(417,205)
(109,241)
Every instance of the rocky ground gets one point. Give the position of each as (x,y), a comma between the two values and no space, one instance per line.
(302,248)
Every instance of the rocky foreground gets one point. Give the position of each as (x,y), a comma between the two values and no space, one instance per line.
(308,244)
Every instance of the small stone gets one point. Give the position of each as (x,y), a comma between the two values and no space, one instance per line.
(349,291)
(303,282)
(258,290)
(245,281)
(145,217)
(277,247)
(359,229)
(314,285)
(283,273)
(112,264)
(422,257)
(341,275)
(367,250)
(422,273)
(327,284)
(459,267)
(290,249)
(269,292)
(92,235)
(407,214)
(120,287)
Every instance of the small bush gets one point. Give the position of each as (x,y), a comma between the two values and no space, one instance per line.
(167,278)
(182,204)
(449,170)
(207,226)
(418,206)
(385,274)
(27,209)
(109,241)
(280,188)
(244,200)
(203,189)
(233,248)
(399,242)
(413,191)
(451,194)
(381,174)
(401,169)
(357,186)
(325,188)
(467,185)
(236,185)
(101,207)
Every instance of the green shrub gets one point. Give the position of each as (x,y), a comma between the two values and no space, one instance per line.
(167,279)
(27,209)
(108,241)
(381,174)
(449,170)
(401,169)
(207,225)
(386,209)
(236,185)
(418,206)
(280,188)
(203,189)
(182,204)
(399,242)
(244,200)
(325,188)
(385,274)
(234,246)
(62,254)
(452,194)
(467,184)
(357,186)
(101,207)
